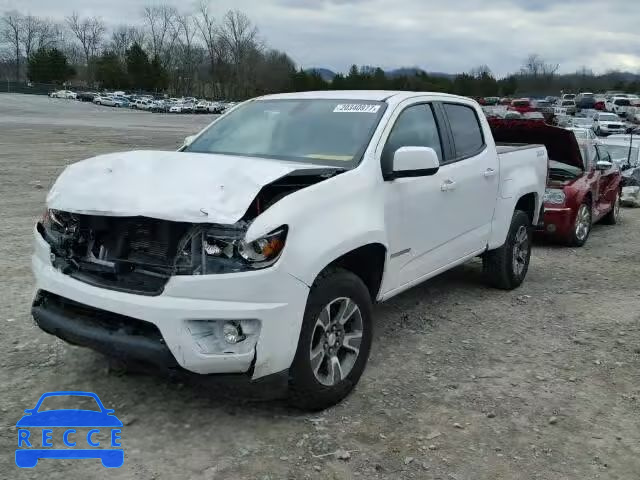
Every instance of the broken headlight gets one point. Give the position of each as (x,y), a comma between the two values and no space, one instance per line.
(554,196)
(223,250)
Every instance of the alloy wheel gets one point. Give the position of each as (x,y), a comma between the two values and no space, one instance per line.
(583,222)
(520,250)
(335,342)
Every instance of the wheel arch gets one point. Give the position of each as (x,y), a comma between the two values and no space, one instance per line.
(366,262)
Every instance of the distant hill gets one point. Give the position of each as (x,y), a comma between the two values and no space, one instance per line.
(410,71)
(326,74)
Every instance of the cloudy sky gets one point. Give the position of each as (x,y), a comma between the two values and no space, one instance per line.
(437,35)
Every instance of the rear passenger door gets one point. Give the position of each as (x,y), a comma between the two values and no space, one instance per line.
(473,176)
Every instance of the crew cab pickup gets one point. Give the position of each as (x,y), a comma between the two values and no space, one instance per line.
(260,247)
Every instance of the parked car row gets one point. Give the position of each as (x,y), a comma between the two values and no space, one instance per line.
(149,103)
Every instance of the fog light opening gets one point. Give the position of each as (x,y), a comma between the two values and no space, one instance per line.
(551,228)
(232,333)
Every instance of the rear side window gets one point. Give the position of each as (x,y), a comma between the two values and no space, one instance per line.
(415,127)
(466,130)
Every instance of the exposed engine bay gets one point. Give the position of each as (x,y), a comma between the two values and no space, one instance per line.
(139,254)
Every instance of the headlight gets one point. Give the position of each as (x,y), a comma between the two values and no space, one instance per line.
(222,249)
(554,196)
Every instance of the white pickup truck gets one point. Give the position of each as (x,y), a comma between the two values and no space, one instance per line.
(260,247)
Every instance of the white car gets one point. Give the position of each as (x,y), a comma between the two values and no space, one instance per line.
(141,104)
(584,135)
(618,105)
(607,124)
(261,246)
(582,122)
(176,108)
(68,94)
(201,107)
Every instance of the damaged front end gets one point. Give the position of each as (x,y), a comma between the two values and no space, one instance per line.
(139,254)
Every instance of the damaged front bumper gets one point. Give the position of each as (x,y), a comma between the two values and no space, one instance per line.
(269,300)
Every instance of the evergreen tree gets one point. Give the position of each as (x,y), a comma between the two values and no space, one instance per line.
(49,65)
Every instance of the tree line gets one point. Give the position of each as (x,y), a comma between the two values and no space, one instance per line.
(201,54)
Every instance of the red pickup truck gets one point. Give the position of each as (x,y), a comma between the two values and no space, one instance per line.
(583,185)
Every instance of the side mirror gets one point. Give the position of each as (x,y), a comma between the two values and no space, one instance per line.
(188,140)
(414,162)
(604,165)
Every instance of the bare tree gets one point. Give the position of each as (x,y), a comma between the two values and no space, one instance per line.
(209,33)
(535,66)
(89,32)
(187,49)
(11,33)
(48,34)
(29,35)
(123,37)
(480,71)
(239,44)
(160,21)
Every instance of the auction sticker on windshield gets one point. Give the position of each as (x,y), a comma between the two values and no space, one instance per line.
(356,108)
(48,431)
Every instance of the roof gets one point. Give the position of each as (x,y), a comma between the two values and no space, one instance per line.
(371,95)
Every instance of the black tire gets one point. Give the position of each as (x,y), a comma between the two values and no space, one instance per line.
(576,239)
(305,390)
(613,217)
(499,265)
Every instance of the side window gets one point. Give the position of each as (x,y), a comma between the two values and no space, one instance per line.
(466,130)
(415,127)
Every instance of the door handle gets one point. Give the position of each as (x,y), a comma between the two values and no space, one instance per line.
(448,185)
(489,172)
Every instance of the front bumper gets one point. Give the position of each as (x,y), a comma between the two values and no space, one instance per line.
(612,131)
(558,221)
(271,296)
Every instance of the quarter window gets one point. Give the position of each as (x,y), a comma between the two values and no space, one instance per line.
(415,127)
(466,130)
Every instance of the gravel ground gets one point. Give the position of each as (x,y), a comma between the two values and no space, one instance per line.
(464,382)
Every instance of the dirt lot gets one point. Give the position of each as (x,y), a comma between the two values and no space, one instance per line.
(464,382)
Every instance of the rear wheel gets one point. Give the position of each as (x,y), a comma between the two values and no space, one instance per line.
(507,266)
(613,216)
(334,342)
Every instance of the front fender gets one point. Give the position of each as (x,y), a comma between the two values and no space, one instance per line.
(326,221)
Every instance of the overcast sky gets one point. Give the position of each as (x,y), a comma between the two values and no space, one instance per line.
(437,35)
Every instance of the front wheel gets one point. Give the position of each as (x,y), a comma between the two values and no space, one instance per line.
(334,342)
(581,226)
(506,267)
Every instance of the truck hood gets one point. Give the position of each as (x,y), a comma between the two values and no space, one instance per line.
(562,145)
(177,186)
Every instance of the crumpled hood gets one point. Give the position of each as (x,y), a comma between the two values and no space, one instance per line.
(177,186)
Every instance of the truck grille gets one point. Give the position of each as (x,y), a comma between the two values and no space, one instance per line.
(130,254)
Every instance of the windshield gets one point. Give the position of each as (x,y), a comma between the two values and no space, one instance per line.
(608,118)
(521,103)
(315,131)
(622,103)
(568,103)
(620,154)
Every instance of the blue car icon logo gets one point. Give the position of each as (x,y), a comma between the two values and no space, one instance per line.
(83,433)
